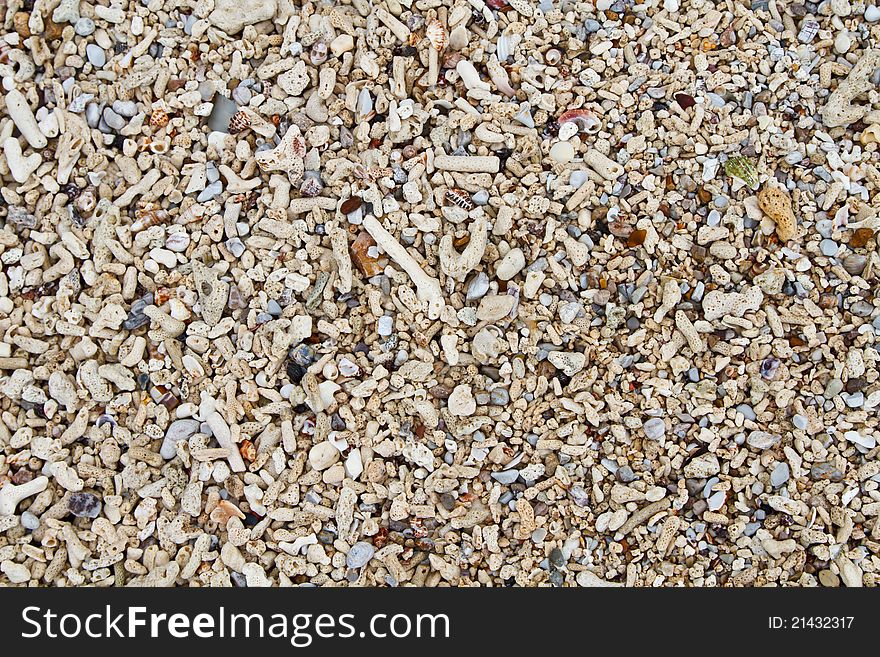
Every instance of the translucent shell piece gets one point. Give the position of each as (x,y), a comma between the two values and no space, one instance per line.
(741,167)
(585,120)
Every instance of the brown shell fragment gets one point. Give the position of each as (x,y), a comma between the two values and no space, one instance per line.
(861,237)
(776,204)
(367,264)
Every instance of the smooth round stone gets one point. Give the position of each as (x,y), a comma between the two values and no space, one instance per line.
(113,120)
(507,477)
(828,579)
(359,555)
(747,412)
(323,455)
(872,14)
(242,95)
(93,115)
(96,55)
(273,307)
(855,263)
(832,388)
(828,247)
(385,325)
(510,265)
(800,421)
(29,521)
(562,152)
(779,475)
(499,397)
(126,108)
(481,197)
(84,26)
(654,428)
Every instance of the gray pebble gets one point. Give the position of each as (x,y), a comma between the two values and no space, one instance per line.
(212,173)
(747,412)
(84,26)
(825,471)
(828,247)
(579,495)
(29,521)
(854,264)
(506,477)
(236,246)
(499,397)
(625,474)
(654,428)
(856,400)
(779,475)
(716,500)
(242,95)
(126,108)
(93,115)
(96,55)
(222,111)
(481,197)
(477,287)
(273,307)
(210,192)
(359,555)
(113,120)
(833,388)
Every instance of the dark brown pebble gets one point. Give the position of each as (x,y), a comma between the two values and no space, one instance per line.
(351,204)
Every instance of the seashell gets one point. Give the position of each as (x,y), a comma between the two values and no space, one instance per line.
(524,116)
(584,119)
(158,119)
(436,34)
(507,43)
(248,450)
(809,29)
(177,242)
(460,198)
(552,56)
(86,201)
(147,216)
(364,105)
(318,53)
(239,122)
(311,185)
(224,511)
(451,60)
(741,167)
